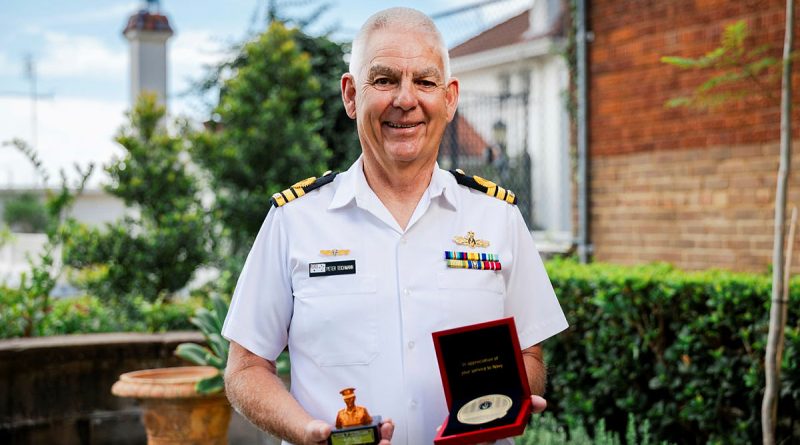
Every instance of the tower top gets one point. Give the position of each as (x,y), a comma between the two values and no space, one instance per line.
(149,18)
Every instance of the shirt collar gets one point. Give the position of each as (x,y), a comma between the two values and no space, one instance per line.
(346,190)
(354,185)
(445,185)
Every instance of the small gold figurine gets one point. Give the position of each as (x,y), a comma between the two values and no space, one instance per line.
(352,415)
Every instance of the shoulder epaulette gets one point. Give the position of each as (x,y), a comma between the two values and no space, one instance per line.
(484,186)
(301,188)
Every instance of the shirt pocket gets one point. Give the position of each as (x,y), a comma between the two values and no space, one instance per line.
(471,296)
(335,319)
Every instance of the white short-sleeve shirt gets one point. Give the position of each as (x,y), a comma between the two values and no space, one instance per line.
(371,329)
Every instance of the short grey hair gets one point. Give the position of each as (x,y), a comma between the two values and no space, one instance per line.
(405,18)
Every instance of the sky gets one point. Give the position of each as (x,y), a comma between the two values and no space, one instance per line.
(81,65)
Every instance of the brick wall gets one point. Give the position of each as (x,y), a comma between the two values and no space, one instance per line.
(699,208)
(689,187)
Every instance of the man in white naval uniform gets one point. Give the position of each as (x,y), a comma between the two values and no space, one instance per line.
(349,270)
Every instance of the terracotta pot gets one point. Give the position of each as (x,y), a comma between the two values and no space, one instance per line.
(174,413)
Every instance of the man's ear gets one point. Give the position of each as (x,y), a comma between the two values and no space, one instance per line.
(451,97)
(349,94)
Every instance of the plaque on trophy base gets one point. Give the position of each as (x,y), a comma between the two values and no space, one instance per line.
(354,425)
(357,435)
(484,382)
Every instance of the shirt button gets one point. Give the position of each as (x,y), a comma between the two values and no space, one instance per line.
(406,292)
(411,344)
(404,240)
(412,404)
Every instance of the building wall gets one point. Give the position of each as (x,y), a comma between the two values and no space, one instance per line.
(694,188)
(699,208)
(546,78)
(92,207)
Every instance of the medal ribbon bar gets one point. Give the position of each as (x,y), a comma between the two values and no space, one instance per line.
(455,255)
(470,264)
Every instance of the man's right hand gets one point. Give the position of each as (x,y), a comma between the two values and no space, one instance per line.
(317,432)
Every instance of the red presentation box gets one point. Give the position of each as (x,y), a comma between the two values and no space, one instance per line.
(484,382)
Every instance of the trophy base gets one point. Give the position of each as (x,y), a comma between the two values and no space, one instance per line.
(358,435)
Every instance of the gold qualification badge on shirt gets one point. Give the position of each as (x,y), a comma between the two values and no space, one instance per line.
(326,268)
(472,260)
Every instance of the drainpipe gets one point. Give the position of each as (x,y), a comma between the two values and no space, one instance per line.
(581,37)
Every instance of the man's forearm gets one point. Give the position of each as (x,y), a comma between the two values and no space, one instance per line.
(535,369)
(258,393)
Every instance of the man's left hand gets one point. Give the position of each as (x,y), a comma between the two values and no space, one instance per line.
(538,403)
(387,430)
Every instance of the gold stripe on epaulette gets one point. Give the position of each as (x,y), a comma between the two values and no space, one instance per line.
(510,197)
(301,188)
(305,182)
(279,199)
(495,190)
(293,193)
(491,188)
(484,182)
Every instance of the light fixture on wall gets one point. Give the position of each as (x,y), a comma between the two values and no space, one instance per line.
(500,134)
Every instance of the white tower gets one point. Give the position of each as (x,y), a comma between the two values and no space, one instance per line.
(148,31)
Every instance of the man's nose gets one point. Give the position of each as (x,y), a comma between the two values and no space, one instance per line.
(405,95)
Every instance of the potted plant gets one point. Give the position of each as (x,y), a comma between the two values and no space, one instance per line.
(186,404)
(216,353)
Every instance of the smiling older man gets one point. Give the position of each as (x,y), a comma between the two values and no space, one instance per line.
(351,271)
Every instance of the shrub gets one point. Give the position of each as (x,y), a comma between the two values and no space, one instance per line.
(12,308)
(90,314)
(545,429)
(682,350)
(154,254)
(264,134)
(26,213)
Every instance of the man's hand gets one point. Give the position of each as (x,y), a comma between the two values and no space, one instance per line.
(387,430)
(538,403)
(317,432)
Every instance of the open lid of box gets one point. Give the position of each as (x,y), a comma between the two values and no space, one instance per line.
(484,379)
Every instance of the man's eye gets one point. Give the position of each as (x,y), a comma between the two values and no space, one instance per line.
(382,81)
(427,84)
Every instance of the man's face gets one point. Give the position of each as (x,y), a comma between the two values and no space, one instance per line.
(350,401)
(401,99)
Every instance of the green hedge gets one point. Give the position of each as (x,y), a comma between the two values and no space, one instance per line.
(88,314)
(684,351)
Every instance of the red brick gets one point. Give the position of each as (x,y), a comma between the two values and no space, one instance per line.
(629,82)
(708,207)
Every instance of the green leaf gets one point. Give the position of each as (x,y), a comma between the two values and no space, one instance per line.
(721,80)
(755,68)
(220,309)
(283,364)
(193,353)
(204,321)
(680,62)
(218,344)
(215,361)
(678,102)
(210,385)
(734,35)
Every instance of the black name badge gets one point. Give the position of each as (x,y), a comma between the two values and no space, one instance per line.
(332,268)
